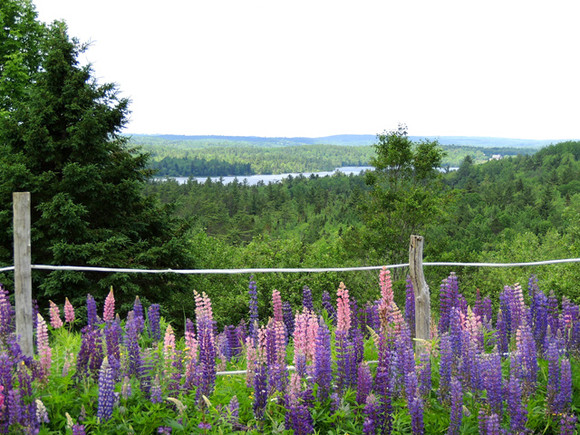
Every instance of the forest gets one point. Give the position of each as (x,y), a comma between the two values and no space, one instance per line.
(176,156)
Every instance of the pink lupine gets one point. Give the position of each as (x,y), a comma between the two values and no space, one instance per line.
(69,311)
(44,350)
(473,325)
(343,309)
(55,320)
(311,334)
(277,306)
(191,346)
(109,310)
(386,286)
(251,361)
(169,349)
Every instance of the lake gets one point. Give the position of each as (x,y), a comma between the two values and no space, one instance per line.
(252,180)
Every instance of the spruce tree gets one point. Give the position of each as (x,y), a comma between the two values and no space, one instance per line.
(61,141)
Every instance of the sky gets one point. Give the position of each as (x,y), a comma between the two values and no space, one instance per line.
(316,68)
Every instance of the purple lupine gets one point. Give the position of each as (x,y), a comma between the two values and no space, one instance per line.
(6,312)
(288,317)
(410,305)
(527,359)
(553,312)
(323,361)
(445,366)
(553,386)
(372,414)
(134,357)
(518,413)
(405,356)
(448,300)
(424,374)
(358,346)
(372,317)
(260,391)
(106,392)
(307,298)
(253,326)
(91,311)
(383,382)
(564,397)
(490,368)
(489,424)
(113,335)
(345,359)
(568,424)
(139,315)
(298,418)
(78,429)
(327,305)
(502,333)
(456,406)
(364,383)
(90,355)
(156,392)
(275,356)
(154,317)
(416,411)
(207,351)
(15,408)
(232,340)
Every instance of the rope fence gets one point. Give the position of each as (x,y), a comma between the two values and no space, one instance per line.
(282,270)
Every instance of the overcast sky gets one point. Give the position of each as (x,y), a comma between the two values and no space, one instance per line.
(316,68)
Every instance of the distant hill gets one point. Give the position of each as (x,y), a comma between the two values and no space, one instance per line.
(342,139)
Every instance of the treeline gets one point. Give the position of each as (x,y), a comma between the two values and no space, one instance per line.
(179,160)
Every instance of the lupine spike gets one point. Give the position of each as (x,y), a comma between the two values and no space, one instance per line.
(109,310)
(55,320)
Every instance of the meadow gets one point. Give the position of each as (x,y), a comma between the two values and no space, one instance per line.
(331,367)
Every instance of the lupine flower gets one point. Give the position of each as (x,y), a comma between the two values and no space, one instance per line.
(260,391)
(343,310)
(386,286)
(564,398)
(91,310)
(527,358)
(207,351)
(456,406)
(568,424)
(41,413)
(490,368)
(153,315)
(489,424)
(55,320)
(518,413)
(168,349)
(126,390)
(109,310)
(345,361)
(416,411)
(307,298)
(156,393)
(69,312)
(383,382)
(323,361)
(364,383)
(372,413)
(327,305)
(553,386)
(166,430)
(44,349)
(78,429)
(6,312)
(277,306)
(448,299)
(288,316)
(90,355)
(445,366)
(410,305)
(132,346)
(139,315)
(253,326)
(106,392)
(424,374)
(298,419)
(15,411)
(113,334)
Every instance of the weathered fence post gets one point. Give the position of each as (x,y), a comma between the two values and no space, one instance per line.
(421,290)
(22,270)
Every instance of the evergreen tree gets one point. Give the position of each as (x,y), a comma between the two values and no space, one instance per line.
(61,141)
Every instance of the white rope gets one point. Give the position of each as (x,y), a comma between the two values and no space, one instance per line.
(243,372)
(286,270)
(5,269)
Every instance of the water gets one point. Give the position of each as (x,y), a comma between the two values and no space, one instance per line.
(252,180)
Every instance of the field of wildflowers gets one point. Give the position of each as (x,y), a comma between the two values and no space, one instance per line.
(330,368)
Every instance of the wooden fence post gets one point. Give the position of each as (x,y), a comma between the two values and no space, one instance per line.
(22,270)
(422,296)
